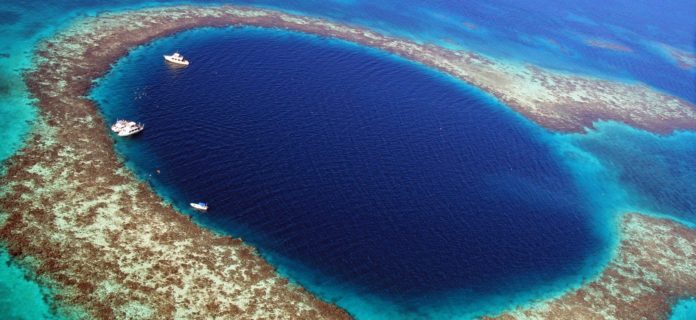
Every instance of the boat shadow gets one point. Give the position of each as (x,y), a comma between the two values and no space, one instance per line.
(175,69)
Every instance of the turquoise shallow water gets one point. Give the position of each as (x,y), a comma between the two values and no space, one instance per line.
(20,298)
(685,309)
(619,168)
(656,173)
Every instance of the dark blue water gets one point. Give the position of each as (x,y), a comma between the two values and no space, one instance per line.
(369,170)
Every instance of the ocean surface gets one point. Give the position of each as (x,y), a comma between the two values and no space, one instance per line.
(388,188)
(684,310)
(378,175)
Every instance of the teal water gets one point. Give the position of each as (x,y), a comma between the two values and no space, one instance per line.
(20,298)
(655,173)
(618,168)
(684,309)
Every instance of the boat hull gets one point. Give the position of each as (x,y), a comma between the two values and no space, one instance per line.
(131,130)
(126,134)
(199,207)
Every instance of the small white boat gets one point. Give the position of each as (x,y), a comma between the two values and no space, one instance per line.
(177,59)
(202,206)
(130,129)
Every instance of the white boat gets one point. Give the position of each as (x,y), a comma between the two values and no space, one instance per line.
(130,129)
(176,58)
(119,125)
(202,206)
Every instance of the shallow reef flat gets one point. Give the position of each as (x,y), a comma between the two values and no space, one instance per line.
(110,248)
(609,45)
(683,59)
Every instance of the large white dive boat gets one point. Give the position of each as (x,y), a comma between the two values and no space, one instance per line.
(176,58)
(126,128)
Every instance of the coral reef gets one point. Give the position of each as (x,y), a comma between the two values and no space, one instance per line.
(683,59)
(609,45)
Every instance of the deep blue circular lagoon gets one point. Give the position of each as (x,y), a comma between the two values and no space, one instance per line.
(357,173)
